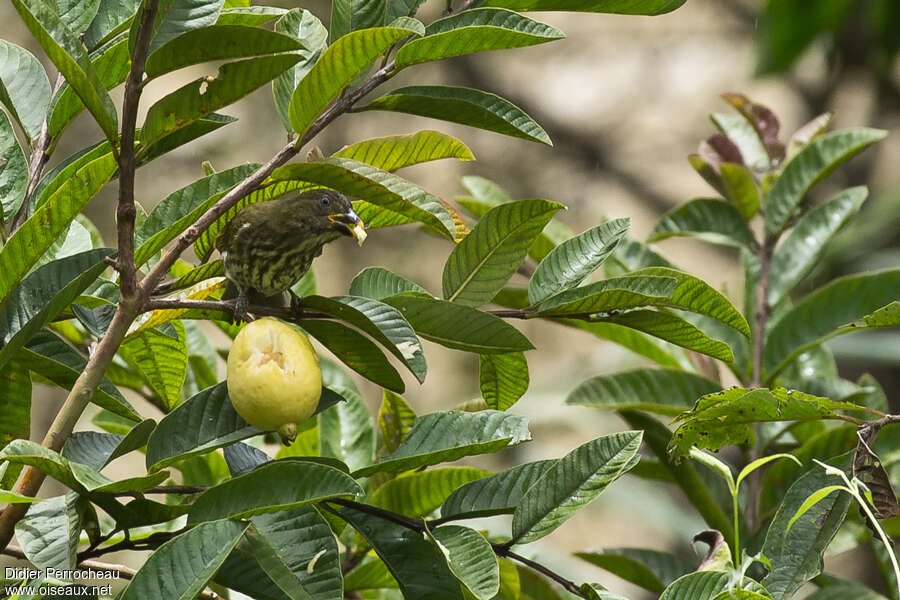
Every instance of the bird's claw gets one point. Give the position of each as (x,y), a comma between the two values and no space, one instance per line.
(239,310)
(296,306)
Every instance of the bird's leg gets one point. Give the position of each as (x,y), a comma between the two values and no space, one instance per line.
(239,307)
(296,307)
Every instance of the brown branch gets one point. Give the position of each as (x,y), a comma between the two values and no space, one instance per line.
(39,159)
(125,212)
(764,254)
(130,306)
(167,489)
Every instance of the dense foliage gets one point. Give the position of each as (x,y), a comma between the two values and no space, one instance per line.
(359,505)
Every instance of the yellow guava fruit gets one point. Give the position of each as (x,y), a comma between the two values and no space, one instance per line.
(274,379)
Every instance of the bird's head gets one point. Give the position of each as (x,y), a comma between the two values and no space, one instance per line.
(327,210)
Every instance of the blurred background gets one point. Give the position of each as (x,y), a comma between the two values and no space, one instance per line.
(625,100)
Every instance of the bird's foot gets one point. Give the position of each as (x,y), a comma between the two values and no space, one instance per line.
(239,309)
(296,306)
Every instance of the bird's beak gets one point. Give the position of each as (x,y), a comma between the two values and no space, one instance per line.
(349,224)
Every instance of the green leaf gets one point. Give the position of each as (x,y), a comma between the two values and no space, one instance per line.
(205,422)
(76,476)
(161,361)
(202,96)
(812,164)
(301,540)
(497,494)
(356,351)
(112,18)
(49,532)
(99,449)
(178,210)
(419,494)
(415,562)
(71,58)
(459,327)
(796,553)
(727,417)
(743,134)
(825,313)
(218,42)
(470,558)
(14,498)
(346,432)
(808,132)
(674,330)
(111,65)
(344,60)
(706,218)
(370,574)
(621,7)
(465,106)
(661,391)
(271,487)
(43,295)
(395,419)
(24,88)
(740,189)
(251,16)
(569,263)
(503,379)
(475,30)
(694,295)
(309,31)
(481,264)
(448,435)
(381,321)
(379,283)
(180,568)
(391,194)
(176,17)
(650,569)
(572,482)
(353,15)
(15,403)
(707,585)
(661,352)
(631,255)
(25,247)
(798,253)
(13,170)
(396,151)
(611,294)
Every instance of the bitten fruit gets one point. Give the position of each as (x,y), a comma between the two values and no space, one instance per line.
(274,379)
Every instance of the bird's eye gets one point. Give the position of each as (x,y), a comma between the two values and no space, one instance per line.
(325,201)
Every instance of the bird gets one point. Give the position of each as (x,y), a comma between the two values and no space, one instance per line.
(269,246)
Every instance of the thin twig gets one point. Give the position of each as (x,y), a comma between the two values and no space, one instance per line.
(125,212)
(85,385)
